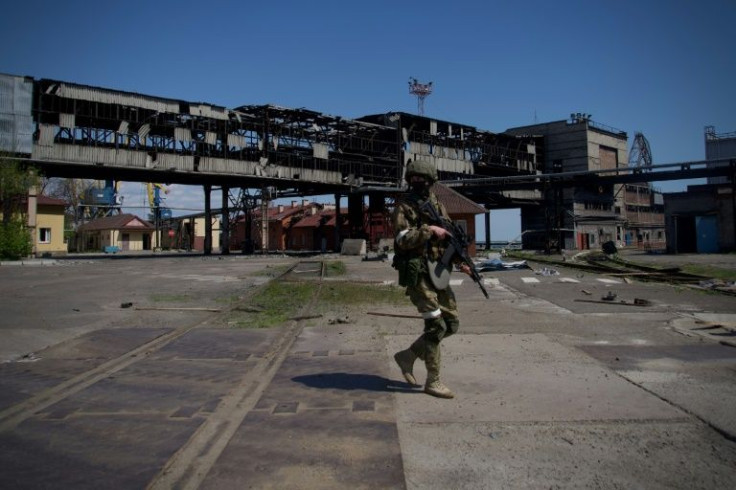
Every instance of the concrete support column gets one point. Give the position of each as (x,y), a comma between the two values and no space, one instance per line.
(264,222)
(32,218)
(487,223)
(338,222)
(207,220)
(355,215)
(225,228)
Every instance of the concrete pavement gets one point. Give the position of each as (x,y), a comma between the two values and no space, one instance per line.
(551,392)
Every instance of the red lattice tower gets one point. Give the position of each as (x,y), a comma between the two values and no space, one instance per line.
(421,90)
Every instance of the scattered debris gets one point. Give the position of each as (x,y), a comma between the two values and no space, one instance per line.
(718,285)
(609,248)
(610,296)
(395,315)
(547,271)
(304,317)
(621,302)
(161,308)
(584,291)
(344,319)
(31,357)
(498,264)
(126,305)
(250,309)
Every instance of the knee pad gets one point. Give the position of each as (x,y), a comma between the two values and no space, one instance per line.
(453,324)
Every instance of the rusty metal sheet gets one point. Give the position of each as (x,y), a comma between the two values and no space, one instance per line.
(115,97)
(16,124)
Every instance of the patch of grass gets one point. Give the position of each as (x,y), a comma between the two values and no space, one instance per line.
(710,272)
(277,302)
(273,305)
(335,268)
(357,294)
(233,298)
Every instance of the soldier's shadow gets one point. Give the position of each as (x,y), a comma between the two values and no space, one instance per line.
(353,381)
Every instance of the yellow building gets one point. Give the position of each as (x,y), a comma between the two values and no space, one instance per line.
(118,233)
(188,233)
(199,233)
(49,232)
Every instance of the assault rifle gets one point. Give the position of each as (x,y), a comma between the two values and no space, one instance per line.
(458,243)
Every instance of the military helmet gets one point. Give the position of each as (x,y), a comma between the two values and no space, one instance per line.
(422,168)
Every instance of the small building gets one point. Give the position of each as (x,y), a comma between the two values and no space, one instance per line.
(44,219)
(49,235)
(316,230)
(120,232)
(645,227)
(462,211)
(188,232)
(701,220)
(253,232)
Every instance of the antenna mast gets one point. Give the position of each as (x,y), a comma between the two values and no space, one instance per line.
(421,90)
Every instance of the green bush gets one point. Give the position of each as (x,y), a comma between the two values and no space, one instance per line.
(15,241)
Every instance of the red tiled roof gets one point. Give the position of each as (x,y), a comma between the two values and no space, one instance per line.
(331,220)
(454,202)
(310,221)
(314,220)
(49,201)
(273,213)
(117,222)
(43,200)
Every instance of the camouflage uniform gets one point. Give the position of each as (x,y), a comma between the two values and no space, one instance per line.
(414,240)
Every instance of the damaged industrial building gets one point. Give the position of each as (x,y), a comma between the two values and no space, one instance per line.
(575,180)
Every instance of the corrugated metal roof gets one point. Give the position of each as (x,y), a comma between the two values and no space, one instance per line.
(116,97)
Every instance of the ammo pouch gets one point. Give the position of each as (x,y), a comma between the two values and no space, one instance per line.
(409,269)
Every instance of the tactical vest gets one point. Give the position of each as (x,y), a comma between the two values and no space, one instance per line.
(411,263)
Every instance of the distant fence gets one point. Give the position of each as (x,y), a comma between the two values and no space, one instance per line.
(497,245)
(652,245)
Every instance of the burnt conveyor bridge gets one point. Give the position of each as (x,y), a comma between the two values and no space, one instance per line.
(254,153)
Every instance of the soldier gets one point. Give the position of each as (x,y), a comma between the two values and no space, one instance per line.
(416,243)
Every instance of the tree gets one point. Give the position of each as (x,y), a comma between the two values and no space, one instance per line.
(72,191)
(15,181)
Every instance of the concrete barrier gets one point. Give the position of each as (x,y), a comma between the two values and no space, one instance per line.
(353,246)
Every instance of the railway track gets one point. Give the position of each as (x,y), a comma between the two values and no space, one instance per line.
(214,433)
(596,264)
(643,272)
(190,465)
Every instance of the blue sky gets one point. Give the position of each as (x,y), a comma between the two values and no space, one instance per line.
(665,68)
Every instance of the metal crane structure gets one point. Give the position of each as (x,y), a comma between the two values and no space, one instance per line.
(421,90)
(100,200)
(155,202)
(158,212)
(640,154)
